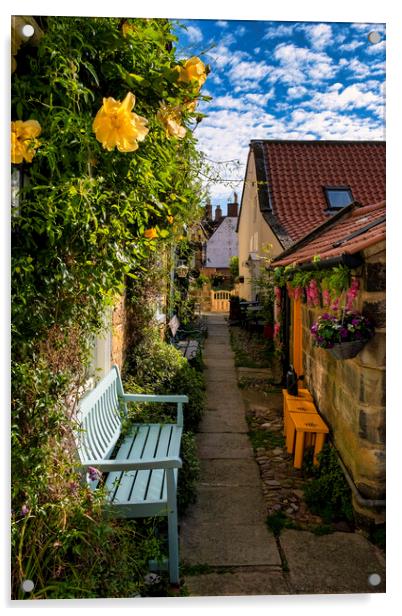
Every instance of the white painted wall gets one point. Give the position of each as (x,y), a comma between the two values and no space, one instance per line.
(222,245)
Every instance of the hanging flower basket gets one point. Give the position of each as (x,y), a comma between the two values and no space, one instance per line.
(347,350)
(344,336)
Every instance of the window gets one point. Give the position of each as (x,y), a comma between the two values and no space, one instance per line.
(338,196)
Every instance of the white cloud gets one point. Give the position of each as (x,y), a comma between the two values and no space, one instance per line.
(374,49)
(359,69)
(351,97)
(300,64)
(320,35)
(227,102)
(240,31)
(297,92)
(257,50)
(221,24)
(259,99)
(334,125)
(194,34)
(350,46)
(279,31)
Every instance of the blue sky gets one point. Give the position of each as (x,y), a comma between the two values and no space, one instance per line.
(284,80)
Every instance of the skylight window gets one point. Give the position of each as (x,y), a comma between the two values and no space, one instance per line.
(338,197)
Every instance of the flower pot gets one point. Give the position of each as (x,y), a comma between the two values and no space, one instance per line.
(347,350)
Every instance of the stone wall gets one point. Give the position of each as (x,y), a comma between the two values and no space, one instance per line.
(350,394)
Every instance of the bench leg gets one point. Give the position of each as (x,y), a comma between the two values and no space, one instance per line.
(173,548)
(172,529)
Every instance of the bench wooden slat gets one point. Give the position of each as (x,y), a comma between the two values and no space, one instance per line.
(137,440)
(155,486)
(139,488)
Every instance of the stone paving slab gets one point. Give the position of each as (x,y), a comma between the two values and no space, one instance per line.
(239,582)
(218,363)
(215,421)
(335,563)
(234,545)
(220,473)
(221,507)
(223,445)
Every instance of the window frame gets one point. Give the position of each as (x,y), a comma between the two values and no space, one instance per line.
(334,208)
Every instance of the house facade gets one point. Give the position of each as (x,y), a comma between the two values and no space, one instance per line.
(222,243)
(291,187)
(349,393)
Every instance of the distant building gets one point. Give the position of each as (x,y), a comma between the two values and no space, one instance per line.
(222,242)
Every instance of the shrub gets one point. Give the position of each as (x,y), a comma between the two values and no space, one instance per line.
(328,494)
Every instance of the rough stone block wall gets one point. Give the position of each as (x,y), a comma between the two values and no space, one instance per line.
(350,394)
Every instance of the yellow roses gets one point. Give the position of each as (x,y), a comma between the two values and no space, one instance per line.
(151,234)
(115,125)
(23,140)
(170,117)
(192,71)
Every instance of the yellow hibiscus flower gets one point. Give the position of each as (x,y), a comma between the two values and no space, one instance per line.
(151,234)
(170,117)
(115,125)
(170,219)
(23,140)
(193,70)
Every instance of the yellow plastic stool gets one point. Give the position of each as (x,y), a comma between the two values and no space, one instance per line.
(296,405)
(301,424)
(301,406)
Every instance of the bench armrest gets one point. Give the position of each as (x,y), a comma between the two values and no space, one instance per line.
(153,398)
(108,466)
(179,399)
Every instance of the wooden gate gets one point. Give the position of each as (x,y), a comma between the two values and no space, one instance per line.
(220,300)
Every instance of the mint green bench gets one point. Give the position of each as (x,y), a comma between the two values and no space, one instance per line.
(141,473)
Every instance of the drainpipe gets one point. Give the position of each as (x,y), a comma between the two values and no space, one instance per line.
(364,502)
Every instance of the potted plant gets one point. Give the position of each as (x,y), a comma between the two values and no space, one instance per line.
(343,336)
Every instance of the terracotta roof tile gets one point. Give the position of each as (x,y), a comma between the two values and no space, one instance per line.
(297,172)
(352,230)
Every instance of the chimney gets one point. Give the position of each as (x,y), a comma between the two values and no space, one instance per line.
(208,210)
(233,207)
(218,213)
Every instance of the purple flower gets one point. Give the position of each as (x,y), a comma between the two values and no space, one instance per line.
(355,322)
(343,332)
(325,316)
(358,335)
(93,473)
(24,510)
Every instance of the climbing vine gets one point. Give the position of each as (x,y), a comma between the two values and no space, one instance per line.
(107,173)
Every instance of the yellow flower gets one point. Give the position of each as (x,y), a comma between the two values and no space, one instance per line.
(193,70)
(170,117)
(127,28)
(23,140)
(190,106)
(115,125)
(170,219)
(151,234)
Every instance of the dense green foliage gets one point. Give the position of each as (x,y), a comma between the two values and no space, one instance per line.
(77,233)
(157,367)
(328,494)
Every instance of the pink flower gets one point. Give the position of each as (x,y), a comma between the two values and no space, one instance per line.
(277,329)
(326,297)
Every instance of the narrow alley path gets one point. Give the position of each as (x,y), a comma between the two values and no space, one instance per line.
(225,529)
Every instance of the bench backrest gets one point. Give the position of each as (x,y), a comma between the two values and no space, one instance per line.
(99,418)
